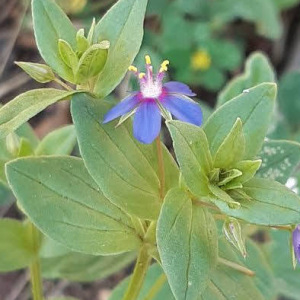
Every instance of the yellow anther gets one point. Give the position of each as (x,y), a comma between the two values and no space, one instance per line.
(141,75)
(201,60)
(148,60)
(132,68)
(164,66)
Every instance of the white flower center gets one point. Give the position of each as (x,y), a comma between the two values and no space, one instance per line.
(151,90)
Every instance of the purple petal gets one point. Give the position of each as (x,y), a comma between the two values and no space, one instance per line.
(178,88)
(147,122)
(122,108)
(183,109)
(296,242)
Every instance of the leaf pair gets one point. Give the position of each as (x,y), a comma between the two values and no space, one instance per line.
(56,38)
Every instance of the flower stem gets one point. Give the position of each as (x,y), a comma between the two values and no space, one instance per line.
(60,82)
(156,287)
(138,276)
(236,266)
(161,168)
(35,270)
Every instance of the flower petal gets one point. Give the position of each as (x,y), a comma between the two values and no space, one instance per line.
(183,109)
(147,122)
(122,108)
(178,88)
(296,242)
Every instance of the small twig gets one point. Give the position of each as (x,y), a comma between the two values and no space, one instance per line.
(236,266)
(282,227)
(57,80)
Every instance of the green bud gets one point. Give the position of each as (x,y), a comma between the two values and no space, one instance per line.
(39,72)
(82,42)
(91,33)
(233,233)
(13,144)
(67,54)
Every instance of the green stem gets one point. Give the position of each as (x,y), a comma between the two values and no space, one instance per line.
(60,82)
(161,168)
(236,266)
(35,270)
(138,276)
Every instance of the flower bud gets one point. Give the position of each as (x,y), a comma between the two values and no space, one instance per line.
(233,233)
(39,72)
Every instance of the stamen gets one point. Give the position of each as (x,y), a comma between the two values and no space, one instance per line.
(142,75)
(164,66)
(148,60)
(133,69)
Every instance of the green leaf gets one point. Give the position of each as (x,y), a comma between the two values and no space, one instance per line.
(287,278)
(187,244)
(58,142)
(75,266)
(92,62)
(269,203)
(130,180)
(16,249)
(248,169)
(39,72)
(232,148)
(122,26)
(155,276)
(254,108)
(258,69)
(25,106)
(279,160)
(223,196)
(192,153)
(61,198)
(67,54)
(51,24)
(289,99)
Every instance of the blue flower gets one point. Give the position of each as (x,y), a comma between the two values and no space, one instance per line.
(153,100)
(296,242)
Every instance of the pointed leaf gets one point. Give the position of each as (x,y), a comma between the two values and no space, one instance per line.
(51,24)
(254,108)
(130,180)
(248,169)
(122,26)
(187,244)
(232,148)
(269,203)
(65,203)
(25,106)
(192,152)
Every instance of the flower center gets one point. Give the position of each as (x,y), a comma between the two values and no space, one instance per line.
(151,90)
